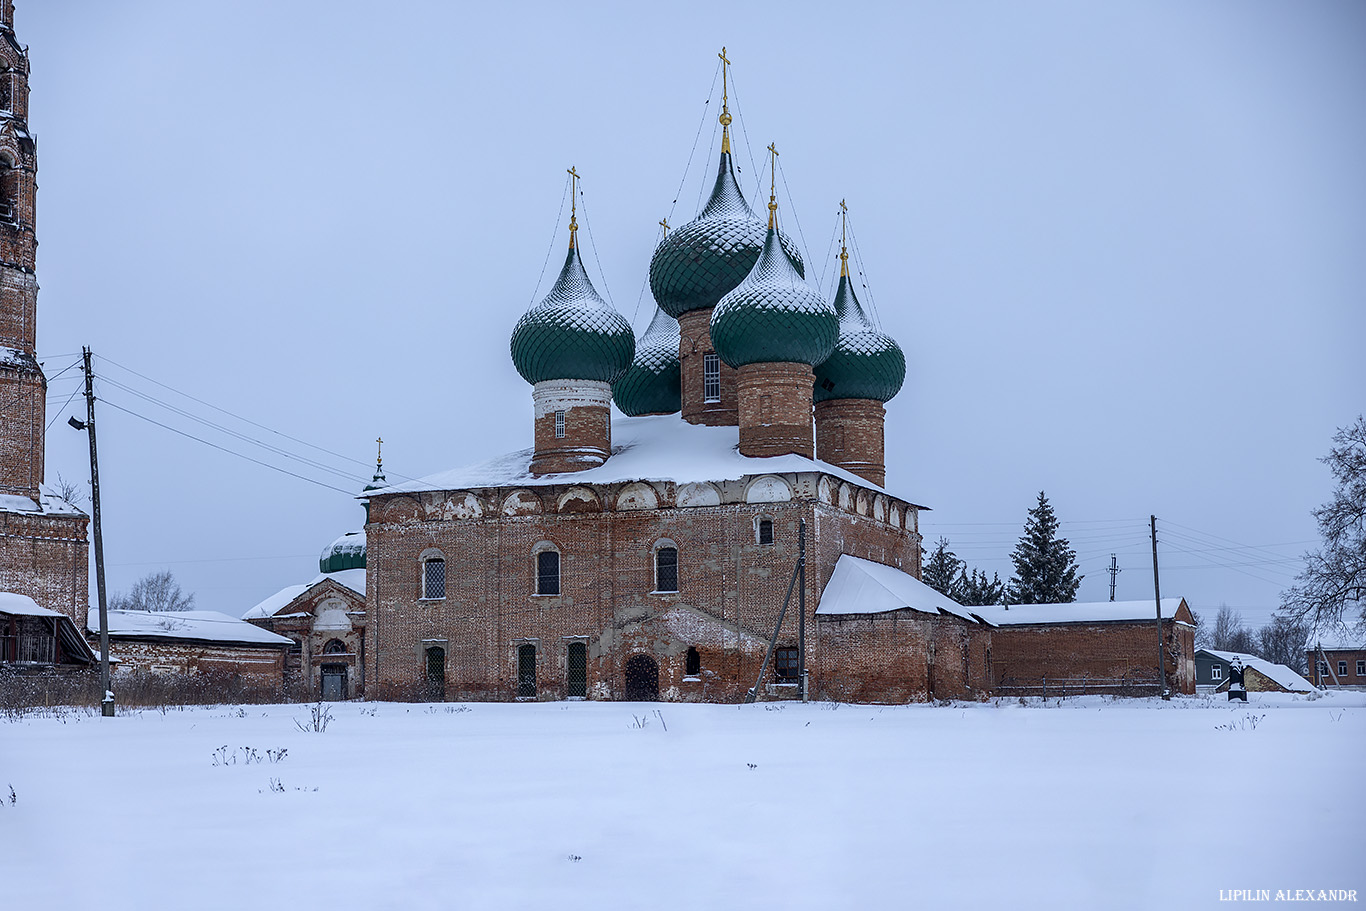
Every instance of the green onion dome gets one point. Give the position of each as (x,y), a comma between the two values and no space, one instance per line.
(653,383)
(774,316)
(866,363)
(573,334)
(696,265)
(347,552)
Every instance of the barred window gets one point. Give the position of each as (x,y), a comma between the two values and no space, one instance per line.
(711,378)
(334,647)
(548,572)
(666,569)
(434,579)
(785,664)
(559,425)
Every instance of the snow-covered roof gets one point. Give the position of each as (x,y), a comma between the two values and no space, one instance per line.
(1076,612)
(860,586)
(354,579)
(24,606)
(48,503)
(651,448)
(200,625)
(1340,635)
(1283,676)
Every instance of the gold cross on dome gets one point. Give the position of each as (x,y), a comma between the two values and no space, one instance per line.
(664,223)
(573,205)
(773,184)
(379,451)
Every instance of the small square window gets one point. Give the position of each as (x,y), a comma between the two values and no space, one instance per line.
(559,425)
(785,664)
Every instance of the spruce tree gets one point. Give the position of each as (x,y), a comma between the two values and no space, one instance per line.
(941,570)
(1045,566)
(974,588)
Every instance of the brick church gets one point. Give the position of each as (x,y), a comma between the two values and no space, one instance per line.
(651,555)
(43,544)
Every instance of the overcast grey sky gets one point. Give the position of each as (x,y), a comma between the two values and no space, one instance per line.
(1121,244)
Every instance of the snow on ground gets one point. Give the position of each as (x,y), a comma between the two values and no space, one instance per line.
(1090,803)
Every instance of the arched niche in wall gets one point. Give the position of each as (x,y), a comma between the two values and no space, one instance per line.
(401,509)
(894,516)
(846,499)
(637,496)
(880,508)
(578,499)
(461,504)
(698,493)
(768,489)
(521,503)
(864,504)
(825,490)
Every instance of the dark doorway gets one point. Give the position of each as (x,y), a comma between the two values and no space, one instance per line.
(576,675)
(334,682)
(526,671)
(436,672)
(642,679)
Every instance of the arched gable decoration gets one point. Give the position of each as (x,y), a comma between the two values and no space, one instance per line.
(637,496)
(698,493)
(579,499)
(768,489)
(521,503)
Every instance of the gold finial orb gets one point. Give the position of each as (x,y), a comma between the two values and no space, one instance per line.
(725,118)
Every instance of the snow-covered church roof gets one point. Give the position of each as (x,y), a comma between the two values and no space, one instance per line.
(197,625)
(354,579)
(651,448)
(860,586)
(1077,612)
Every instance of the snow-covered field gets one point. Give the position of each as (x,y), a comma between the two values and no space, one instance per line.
(1087,804)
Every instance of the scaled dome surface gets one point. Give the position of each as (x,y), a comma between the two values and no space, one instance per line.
(866,363)
(653,384)
(774,316)
(572,334)
(347,552)
(696,265)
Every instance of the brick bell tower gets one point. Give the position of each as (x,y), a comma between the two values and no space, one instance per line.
(23,388)
(43,545)
(571,347)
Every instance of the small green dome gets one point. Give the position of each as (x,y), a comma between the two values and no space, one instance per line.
(866,363)
(696,265)
(773,316)
(347,552)
(653,383)
(573,334)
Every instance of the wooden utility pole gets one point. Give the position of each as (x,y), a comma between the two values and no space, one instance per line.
(1157,596)
(107,693)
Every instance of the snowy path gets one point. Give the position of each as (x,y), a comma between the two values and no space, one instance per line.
(1091,804)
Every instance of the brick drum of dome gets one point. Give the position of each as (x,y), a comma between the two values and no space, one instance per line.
(849,433)
(775,409)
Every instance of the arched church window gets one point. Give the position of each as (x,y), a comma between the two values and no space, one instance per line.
(666,568)
(433,579)
(9,190)
(548,572)
(334,647)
